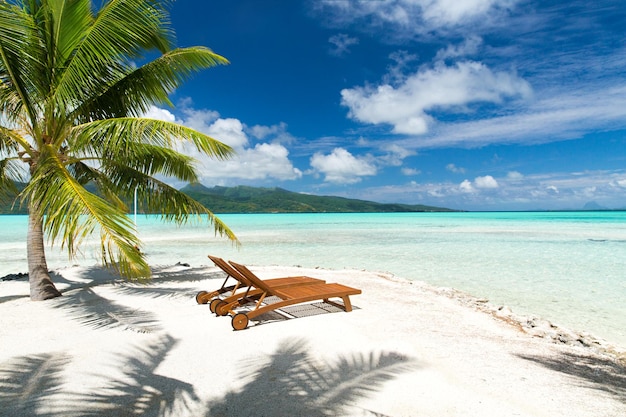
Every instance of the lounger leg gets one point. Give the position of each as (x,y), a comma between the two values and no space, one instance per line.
(347,303)
(347,306)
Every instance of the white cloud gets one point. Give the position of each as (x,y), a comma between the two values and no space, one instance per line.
(404,18)
(341,44)
(228,131)
(442,87)
(340,166)
(199,120)
(466,186)
(514,176)
(259,162)
(262,162)
(454,12)
(485,182)
(565,115)
(410,172)
(160,114)
(276,133)
(455,169)
(261,132)
(590,191)
(554,191)
(470,46)
(395,155)
(479,183)
(401,61)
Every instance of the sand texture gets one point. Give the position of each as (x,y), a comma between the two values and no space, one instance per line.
(113,348)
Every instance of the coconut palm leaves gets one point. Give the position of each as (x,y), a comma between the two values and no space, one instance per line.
(71,103)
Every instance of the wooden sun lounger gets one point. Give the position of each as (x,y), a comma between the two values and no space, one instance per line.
(287,295)
(243,284)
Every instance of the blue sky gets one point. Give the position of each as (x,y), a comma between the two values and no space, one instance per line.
(473,104)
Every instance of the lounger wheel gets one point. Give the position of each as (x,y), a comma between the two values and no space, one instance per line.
(213,304)
(200,299)
(220,308)
(240,321)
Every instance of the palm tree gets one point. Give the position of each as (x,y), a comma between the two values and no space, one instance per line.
(72,96)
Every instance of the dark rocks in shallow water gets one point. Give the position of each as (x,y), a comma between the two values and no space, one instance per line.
(14,277)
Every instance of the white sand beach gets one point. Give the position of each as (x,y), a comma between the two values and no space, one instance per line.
(109,347)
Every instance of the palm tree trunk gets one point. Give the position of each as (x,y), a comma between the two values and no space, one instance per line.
(41,285)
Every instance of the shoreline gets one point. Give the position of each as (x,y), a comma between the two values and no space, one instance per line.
(536,326)
(406,349)
(530,324)
(570,274)
(533,325)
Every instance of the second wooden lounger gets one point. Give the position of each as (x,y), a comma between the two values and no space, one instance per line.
(288,296)
(233,292)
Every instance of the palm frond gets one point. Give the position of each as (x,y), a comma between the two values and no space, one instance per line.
(117,182)
(151,83)
(150,160)
(9,171)
(175,206)
(68,21)
(121,29)
(7,143)
(178,207)
(72,213)
(64,66)
(8,175)
(20,63)
(114,136)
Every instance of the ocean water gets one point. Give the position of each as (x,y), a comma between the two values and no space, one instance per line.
(568,267)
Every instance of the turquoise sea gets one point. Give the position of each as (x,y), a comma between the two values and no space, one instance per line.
(568,267)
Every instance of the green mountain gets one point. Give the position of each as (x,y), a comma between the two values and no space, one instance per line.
(244,199)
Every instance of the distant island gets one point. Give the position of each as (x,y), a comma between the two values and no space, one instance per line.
(244,199)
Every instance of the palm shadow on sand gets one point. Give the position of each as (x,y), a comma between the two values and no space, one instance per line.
(93,310)
(97,276)
(28,386)
(82,301)
(286,383)
(291,382)
(598,373)
(28,382)
(160,284)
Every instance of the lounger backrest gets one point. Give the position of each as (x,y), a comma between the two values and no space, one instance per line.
(227,268)
(256,281)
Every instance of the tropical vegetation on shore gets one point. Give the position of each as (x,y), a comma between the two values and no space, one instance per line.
(74,86)
(246,199)
(243,199)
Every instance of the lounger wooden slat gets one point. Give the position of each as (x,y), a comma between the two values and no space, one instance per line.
(243,284)
(288,296)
